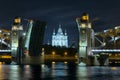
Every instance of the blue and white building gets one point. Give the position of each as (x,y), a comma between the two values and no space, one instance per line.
(60,39)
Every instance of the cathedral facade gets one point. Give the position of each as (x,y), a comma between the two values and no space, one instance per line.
(60,39)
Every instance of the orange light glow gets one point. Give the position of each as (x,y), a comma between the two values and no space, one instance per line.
(6,56)
(85,17)
(17,20)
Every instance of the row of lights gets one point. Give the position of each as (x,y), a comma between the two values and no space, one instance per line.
(117,27)
(105,50)
(65,62)
(5,50)
(108,30)
(115,62)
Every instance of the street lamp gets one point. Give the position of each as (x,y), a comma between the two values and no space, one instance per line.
(53,54)
(65,54)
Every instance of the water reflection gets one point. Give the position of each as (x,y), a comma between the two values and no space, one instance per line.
(58,71)
(1,72)
(27,72)
(13,72)
(82,73)
(104,73)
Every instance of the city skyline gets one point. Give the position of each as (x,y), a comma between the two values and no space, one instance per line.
(61,12)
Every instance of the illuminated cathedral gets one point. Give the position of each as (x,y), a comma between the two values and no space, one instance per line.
(60,39)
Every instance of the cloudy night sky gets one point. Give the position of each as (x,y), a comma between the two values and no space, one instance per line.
(63,12)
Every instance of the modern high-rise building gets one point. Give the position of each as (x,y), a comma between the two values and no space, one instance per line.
(60,39)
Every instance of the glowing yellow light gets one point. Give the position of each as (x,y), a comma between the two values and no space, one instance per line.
(53,53)
(114,68)
(65,53)
(65,62)
(6,56)
(17,20)
(110,54)
(76,56)
(85,17)
(83,25)
(0,63)
(53,62)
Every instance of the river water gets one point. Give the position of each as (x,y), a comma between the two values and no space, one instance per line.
(58,71)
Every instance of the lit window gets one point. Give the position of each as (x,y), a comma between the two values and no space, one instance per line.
(83,25)
(85,17)
(17,20)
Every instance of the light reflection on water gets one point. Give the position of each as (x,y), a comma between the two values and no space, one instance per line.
(82,73)
(58,71)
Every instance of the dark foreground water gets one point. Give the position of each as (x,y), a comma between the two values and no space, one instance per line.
(58,71)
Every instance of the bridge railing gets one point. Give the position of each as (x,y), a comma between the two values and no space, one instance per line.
(8,50)
(106,50)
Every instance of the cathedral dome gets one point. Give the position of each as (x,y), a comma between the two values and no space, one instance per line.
(60,38)
(59,30)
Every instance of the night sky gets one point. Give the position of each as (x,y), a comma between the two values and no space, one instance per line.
(63,12)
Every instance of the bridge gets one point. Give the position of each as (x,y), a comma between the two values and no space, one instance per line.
(106,50)
(90,43)
(14,42)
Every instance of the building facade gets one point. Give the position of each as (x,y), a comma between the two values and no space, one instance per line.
(60,39)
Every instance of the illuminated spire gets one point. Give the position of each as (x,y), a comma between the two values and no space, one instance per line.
(60,30)
(65,32)
(54,32)
(48,42)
